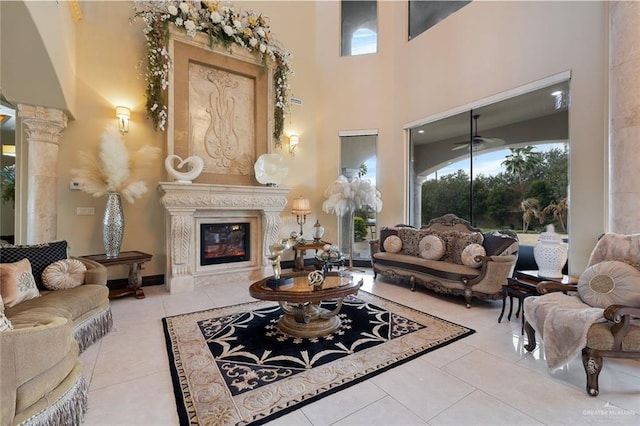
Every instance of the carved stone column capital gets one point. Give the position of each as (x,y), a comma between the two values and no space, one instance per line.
(42,124)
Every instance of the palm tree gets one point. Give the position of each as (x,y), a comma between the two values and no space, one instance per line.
(530,210)
(521,163)
(559,211)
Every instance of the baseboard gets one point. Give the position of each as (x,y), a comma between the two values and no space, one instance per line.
(146,281)
(159,279)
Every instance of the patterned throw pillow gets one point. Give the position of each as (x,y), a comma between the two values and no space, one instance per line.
(65,273)
(392,244)
(431,247)
(469,255)
(456,242)
(411,238)
(5,324)
(40,256)
(610,283)
(17,283)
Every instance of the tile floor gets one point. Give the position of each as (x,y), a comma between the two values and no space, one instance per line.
(487,378)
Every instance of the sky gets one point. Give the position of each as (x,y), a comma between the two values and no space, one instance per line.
(489,164)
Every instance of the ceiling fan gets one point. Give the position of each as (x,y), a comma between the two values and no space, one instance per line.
(478,142)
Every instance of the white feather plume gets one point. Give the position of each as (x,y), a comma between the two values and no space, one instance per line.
(114,169)
(345,197)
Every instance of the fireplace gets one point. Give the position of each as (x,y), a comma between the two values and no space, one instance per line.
(189,206)
(224,243)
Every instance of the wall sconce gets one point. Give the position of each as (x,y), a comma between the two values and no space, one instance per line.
(123,113)
(301,208)
(293,143)
(9,150)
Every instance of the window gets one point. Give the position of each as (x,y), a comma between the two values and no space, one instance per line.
(359,27)
(503,165)
(425,14)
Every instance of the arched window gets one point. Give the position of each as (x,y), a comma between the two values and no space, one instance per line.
(364,41)
(359,24)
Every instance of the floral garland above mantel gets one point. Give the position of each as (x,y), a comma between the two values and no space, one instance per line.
(222,23)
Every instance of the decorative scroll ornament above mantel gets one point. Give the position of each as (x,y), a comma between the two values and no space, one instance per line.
(223,24)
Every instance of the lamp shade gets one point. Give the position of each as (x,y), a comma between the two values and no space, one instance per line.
(9,150)
(123,112)
(301,206)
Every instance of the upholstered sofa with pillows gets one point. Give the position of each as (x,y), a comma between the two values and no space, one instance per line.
(447,256)
(52,308)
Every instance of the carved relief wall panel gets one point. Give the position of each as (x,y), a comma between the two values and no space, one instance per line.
(219,109)
(222,123)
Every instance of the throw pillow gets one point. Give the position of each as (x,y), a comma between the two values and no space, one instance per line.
(469,255)
(411,238)
(65,273)
(610,283)
(456,242)
(431,247)
(392,244)
(17,283)
(384,233)
(5,324)
(497,243)
(40,256)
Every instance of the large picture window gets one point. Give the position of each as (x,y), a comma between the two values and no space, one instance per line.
(503,165)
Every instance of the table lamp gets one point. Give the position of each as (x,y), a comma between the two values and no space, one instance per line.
(301,208)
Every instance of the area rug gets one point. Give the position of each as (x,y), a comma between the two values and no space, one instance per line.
(232,365)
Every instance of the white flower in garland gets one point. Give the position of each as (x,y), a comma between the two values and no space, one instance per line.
(223,24)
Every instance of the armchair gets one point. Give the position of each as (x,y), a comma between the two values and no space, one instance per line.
(602,320)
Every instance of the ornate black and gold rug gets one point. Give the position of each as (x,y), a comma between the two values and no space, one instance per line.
(232,365)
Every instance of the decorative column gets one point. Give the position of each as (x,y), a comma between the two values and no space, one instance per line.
(624,116)
(42,128)
(182,250)
(270,229)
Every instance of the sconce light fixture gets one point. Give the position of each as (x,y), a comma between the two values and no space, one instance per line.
(301,208)
(9,150)
(293,143)
(123,113)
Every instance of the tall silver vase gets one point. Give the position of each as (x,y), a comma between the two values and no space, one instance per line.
(113,225)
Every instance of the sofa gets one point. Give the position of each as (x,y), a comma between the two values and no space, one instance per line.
(447,256)
(41,381)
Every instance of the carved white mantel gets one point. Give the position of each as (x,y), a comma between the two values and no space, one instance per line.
(188,205)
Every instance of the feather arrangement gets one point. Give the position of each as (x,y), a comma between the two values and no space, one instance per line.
(114,169)
(346,197)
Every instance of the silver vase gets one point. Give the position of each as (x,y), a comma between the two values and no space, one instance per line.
(113,225)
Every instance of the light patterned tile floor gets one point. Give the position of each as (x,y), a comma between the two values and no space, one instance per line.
(485,379)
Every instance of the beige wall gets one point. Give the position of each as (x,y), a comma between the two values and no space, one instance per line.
(459,61)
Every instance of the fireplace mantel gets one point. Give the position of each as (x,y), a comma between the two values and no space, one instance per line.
(190,204)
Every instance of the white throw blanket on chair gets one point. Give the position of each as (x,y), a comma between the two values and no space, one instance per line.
(562,322)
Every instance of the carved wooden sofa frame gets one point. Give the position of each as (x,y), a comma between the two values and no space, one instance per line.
(444,277)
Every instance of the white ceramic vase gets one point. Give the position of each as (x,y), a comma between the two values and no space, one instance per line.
(550,254)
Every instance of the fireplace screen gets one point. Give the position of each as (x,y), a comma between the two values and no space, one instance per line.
(224,243)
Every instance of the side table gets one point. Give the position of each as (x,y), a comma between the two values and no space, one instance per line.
(522,285)
(300,250)
(135,260)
